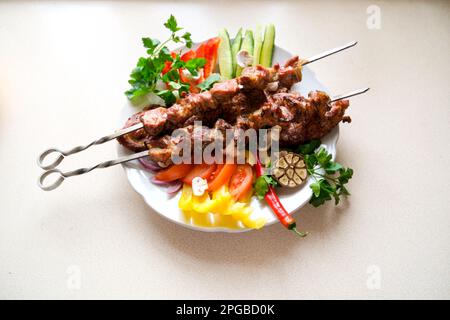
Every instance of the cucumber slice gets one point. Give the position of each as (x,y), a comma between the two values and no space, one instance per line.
(247,45)
(235,47)
(225,55)
(267,47)
(258,44)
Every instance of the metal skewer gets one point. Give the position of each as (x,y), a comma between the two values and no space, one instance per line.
(60,155)
(329,52)
(63,175)
(350,94)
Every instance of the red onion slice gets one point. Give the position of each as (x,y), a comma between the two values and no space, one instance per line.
(149,165)
(174,187)
(159,182)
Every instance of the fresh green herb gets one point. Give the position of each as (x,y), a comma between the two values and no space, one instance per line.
(330,176)
(262,185)
(309,147)
(208,83)
(148,71)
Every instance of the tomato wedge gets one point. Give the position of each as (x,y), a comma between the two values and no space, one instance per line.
(174,172)
(221,177)
(241,181)
(203,171)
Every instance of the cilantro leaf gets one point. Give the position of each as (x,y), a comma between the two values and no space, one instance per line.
(315,188)
(323,157)
(309,148)
(150,44)
(323,193)
(187,39)
(194,64)
(148,71)
(168,96)
(172,24)
(330,176)
(333,167)
(208,83)
(262,185)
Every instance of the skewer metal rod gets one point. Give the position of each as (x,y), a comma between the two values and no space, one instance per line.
(350,94)
(329,52)
(61,154)
(63,175)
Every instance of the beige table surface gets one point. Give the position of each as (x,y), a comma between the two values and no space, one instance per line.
(63,69)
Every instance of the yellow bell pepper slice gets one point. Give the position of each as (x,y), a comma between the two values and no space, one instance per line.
(185,202)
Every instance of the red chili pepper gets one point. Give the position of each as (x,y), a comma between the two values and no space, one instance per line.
(274,202)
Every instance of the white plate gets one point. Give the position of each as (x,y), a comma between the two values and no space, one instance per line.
(159,201)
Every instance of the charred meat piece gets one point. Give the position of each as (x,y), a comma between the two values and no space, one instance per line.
(223,100)
(310,118)
(301,119)
(135,141)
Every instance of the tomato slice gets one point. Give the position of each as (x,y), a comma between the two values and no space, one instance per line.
(222,177)
(203,171)
(174,172)
(241,181)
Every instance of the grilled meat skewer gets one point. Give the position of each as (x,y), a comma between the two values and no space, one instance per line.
(300,119)
(226,99)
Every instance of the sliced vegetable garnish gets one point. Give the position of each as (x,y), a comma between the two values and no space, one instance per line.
(241,181)
(211,52)
(235,47)
(247,45)
(203,171)
(149,165)
(267,47)
(221,176)
(225,55)
(174,172)
(259,37)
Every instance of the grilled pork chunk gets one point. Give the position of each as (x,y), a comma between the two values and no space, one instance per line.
(227,100)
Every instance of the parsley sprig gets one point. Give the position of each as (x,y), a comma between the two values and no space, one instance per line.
(330,176)
(148,71)
(262,184)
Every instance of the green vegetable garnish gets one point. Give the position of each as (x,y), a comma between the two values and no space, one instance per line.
(262,185)
(225,55)
(258,43)
(148,71)
(235,47)
(267,46)
(309,147)
(330,176)
(247,45)
(208,83)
